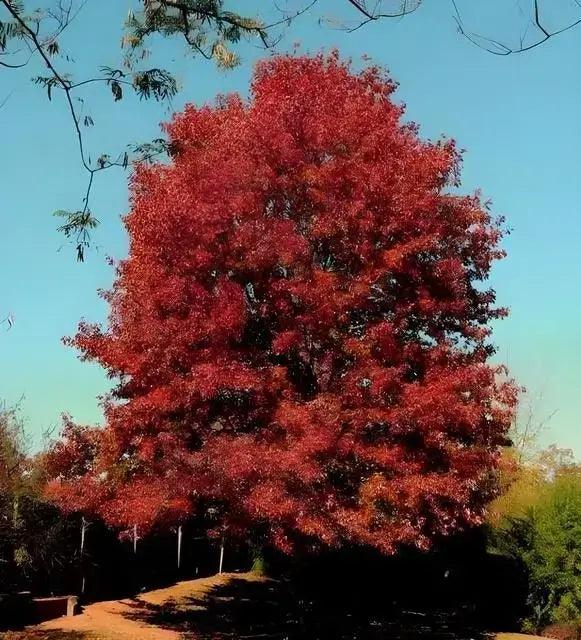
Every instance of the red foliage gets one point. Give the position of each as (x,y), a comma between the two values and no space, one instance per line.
(299,331)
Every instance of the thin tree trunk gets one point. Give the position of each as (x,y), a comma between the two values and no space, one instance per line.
(135,538)
(82,550)
(221,556)
(83,529)
(16,539)
(179,546)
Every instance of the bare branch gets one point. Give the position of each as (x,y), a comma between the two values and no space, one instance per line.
(289,18)
(76,85)
(538,20)
(12,66)
(375,14)
(8,321)
(500,49)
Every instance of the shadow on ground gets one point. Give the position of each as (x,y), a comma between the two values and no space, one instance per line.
(277,610)
(454,592)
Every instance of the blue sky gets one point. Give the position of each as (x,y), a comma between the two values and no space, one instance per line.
(517,117)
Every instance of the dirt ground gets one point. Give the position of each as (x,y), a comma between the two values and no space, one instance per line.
(198,609)
(117,619)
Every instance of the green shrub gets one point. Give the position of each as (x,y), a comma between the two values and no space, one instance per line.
(259,564)
(546,540)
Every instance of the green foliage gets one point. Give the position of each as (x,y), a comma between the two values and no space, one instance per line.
(519,489)
(155,83)
(259,563)
(35,539)
(8,31)
(205,26)
(78,224)
(546,540)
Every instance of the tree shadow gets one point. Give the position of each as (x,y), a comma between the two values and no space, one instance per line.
(277,610)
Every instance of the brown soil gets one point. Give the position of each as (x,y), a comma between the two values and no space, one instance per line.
(116,619)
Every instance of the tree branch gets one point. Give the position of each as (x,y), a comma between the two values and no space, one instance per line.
(500,49)
(154,82)
(406,9)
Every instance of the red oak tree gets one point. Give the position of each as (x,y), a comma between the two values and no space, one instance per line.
(300,331)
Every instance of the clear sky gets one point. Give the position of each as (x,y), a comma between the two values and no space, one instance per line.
(518,118)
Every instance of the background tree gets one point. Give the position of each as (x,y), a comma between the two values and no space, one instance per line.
(300,333)
(544,537)
(13,484)
(525,464)
(35,539)
(535,522)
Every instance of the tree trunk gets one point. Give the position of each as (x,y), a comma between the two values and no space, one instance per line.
(221,556)
(82,551)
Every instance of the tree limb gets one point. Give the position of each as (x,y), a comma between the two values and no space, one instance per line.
(500,49)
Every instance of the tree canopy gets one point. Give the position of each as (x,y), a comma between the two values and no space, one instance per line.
(300,331)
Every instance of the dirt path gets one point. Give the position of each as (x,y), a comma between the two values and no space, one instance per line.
(106,621)
(113,620)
